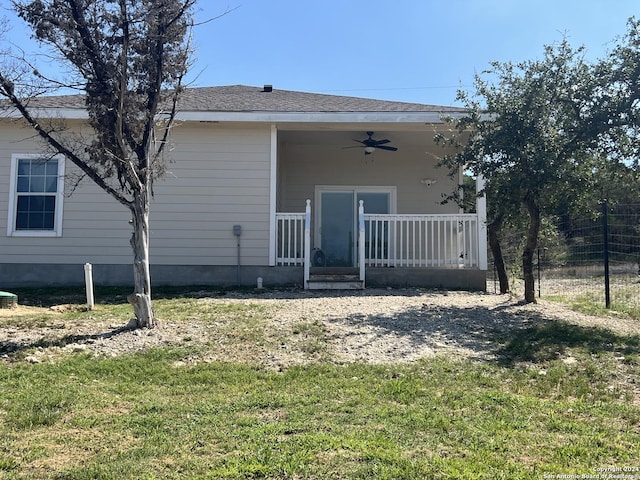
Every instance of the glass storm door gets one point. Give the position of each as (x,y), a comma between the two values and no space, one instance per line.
(338,224)
(337,228)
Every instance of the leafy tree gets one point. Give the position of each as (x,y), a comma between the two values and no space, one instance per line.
(531,128)
(128,58)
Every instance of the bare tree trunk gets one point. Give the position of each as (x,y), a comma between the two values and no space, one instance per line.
(530,248)
(496,251)
(141,296)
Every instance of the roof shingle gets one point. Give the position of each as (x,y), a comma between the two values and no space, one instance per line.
(241,98)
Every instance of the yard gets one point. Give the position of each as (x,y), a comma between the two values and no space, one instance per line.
(293,384)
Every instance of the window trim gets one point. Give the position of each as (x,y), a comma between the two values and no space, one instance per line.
(13,198)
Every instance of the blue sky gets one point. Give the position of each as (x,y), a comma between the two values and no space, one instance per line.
(406,50)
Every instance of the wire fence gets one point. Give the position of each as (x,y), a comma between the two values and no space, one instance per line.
(594,259)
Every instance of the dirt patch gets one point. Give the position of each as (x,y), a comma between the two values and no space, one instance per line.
(21,310)
(297,327)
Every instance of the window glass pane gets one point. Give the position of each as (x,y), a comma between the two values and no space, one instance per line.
(47,220)
(24,167)
(36,221)
(22,221)
(23,203)
(50,204)
(51,184)
(38,167)
(23,184)
(52,167)
(37,184)
(36,204)
(374,202)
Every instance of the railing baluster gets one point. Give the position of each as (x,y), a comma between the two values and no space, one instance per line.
(373,243)
(402,224)
(434,238)
(282,240)
(421,245)
(289,225)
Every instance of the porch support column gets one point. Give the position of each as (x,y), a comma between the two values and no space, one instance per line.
(273,179)
(361,258)
(307,244)
(481,210)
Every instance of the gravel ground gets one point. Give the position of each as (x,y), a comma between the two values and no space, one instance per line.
(373,325)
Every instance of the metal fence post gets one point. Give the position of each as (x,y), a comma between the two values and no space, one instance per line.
(605,234)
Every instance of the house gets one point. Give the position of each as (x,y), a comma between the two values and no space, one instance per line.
(262,182)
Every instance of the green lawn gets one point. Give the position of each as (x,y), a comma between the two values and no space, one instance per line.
(526,414)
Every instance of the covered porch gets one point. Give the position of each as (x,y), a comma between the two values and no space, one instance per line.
(394,248)
(348,219)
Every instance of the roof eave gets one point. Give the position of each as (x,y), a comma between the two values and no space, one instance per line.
(62,113)
(266,117)
(318,117)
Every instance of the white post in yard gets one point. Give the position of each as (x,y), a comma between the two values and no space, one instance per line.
(88,280)
(361,240)
(481,211)
(307,243)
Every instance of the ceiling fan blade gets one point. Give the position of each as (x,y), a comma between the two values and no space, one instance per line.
(384,147)
(379,142)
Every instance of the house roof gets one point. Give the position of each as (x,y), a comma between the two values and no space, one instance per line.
(240,102)
(240,98)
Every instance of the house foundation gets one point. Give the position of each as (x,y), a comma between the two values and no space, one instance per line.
(52,275)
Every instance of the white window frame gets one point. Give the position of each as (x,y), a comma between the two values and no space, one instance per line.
(13,198)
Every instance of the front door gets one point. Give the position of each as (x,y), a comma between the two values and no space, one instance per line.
(338,217)
(337,228)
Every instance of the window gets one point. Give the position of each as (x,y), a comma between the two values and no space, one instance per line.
(37,187)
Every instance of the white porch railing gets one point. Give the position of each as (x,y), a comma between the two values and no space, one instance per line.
(290,239)
(389,240)
(449,241)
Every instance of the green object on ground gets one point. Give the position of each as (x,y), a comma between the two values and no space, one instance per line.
(8,300)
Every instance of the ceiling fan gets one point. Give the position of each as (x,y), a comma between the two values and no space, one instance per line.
(370,145)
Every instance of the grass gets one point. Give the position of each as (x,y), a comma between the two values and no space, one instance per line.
(587,296)
(624,303)
(558,399)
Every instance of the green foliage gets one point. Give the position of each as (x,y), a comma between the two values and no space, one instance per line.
(531,128)
(555,135)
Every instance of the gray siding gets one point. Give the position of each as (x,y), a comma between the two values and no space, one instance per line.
(218,178)
(221,179)
(302,167)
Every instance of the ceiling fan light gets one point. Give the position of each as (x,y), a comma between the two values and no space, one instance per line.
(369,150)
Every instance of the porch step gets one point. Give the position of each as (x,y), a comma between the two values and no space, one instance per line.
(334,279)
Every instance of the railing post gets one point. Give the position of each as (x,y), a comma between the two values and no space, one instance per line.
(361,240)
(481,212)
(307,244)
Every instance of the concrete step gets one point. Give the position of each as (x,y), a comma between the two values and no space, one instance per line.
(327,285)
(330,279)
(333,277)
(334,271)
